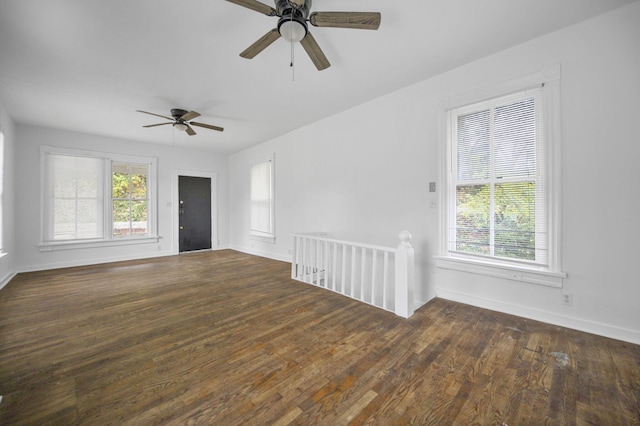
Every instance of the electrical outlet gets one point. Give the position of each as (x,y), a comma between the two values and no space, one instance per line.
(567,299)
(432,187)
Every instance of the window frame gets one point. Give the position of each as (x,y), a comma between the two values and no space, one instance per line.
(2,170)
(130,199)
(258,235)
(550,274)
(108,239)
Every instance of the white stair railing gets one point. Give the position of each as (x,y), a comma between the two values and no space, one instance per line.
(379,276)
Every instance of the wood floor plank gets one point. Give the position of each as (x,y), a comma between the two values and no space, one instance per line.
(226,338)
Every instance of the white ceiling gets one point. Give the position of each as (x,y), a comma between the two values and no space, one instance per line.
(87,65)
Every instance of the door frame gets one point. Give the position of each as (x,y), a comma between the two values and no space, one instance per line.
(175,202)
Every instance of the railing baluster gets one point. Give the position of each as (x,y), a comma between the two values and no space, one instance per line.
(334,267)
(294,260)
(318,262)
(325,272)
(319,257)
(353,269)
(374,262)
(385,272)
(301,259)
(343,281)
(307,268)
(362,272)
(314,261)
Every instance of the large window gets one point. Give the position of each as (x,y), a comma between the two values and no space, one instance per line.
(89,197)
(262,200)
(500,208)
(500,205)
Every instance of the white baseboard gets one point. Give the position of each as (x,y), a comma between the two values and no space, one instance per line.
(5,280)
(85,262)
(73,263)
(592,327)
(282,258)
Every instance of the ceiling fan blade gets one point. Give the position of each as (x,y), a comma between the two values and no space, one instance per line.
(190,115)
(357,20)
(256,5)
(189,130)
(262,43)
(157,115)
(315,53)
(154,125)
(207,126)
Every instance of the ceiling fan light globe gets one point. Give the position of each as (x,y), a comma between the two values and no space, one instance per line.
(180,126)
(292,30)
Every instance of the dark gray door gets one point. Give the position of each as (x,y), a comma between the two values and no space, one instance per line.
(195,213)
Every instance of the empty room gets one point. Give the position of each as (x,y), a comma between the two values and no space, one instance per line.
(281,212)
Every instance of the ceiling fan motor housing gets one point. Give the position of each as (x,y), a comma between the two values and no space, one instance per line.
(286,7)
(177,113)
(292,25)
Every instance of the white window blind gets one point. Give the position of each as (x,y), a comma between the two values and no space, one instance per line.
(92,199)
(498,185)
(262,223)
(74,194)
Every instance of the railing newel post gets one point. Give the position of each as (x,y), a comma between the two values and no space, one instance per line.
(404,266)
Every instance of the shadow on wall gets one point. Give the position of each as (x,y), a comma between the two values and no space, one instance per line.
(424,273)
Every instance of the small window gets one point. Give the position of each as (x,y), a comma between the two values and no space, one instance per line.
(262,200)
(130,199)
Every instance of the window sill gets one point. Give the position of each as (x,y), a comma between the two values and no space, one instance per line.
(269,239)
(524,274)
(72,245)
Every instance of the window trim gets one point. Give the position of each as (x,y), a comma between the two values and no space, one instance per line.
(108,239)
(265,237)
(130,198)
(2,170)
(552,274)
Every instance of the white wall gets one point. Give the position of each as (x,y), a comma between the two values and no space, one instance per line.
(29,139)
(363,175)
(7,261)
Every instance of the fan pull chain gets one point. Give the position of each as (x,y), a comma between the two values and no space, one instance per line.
(293,68)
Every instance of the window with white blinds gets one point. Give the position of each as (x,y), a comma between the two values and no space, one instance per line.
(74,201)
(498,179)
(96,198)
(262,200)
(500,207)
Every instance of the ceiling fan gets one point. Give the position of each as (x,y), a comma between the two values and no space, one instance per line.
(182,121)
(292,26)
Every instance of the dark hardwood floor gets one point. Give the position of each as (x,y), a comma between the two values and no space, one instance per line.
(226,338)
